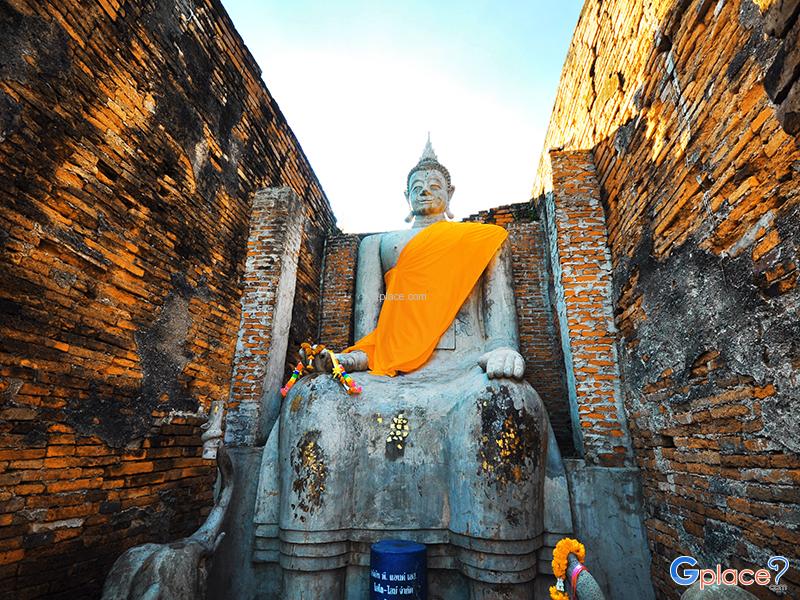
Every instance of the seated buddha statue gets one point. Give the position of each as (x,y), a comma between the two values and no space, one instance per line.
(445,445)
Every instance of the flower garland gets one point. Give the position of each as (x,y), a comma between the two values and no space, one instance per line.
(308,353)
(563,549)
(342,377)
(298,371)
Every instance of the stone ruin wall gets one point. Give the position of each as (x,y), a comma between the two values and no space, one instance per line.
(691,112)
(132,139)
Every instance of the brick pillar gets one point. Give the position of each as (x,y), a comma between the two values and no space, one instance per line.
(338,290)
(276,228)
(538,333)
(581,263)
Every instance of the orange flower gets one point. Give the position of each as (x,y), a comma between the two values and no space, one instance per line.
(564,548)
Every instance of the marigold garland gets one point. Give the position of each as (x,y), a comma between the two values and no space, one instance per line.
(340,375)
(309,352)
(298,371)
(563,549)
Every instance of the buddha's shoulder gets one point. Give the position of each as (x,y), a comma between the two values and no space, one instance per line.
(387,238)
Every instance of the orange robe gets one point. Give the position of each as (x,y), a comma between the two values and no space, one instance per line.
(435,273)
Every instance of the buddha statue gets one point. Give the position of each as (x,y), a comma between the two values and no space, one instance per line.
(445,445)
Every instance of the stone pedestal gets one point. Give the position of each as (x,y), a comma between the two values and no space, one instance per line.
(607,512)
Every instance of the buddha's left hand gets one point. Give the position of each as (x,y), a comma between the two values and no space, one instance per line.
(502,362)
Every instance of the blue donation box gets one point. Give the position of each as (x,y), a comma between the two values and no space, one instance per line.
(398,571)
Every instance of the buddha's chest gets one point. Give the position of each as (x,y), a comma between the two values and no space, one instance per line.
(392,244)
(466,330)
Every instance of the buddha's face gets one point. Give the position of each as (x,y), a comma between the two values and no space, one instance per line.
(428,193)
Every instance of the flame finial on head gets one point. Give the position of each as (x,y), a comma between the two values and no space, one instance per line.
(428,153)
(428,160)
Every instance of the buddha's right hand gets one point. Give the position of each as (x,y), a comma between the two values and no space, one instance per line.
(352,362)
(357,360)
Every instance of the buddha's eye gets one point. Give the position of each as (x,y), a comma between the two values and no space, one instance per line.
(436,186)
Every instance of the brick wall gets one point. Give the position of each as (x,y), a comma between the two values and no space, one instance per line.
(338,291)
(132,139)
(690,112)
(523,212)
(270,285)
(581,264)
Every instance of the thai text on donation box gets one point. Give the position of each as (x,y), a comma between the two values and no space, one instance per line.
(398,571)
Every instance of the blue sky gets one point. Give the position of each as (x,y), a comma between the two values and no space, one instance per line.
(361,84)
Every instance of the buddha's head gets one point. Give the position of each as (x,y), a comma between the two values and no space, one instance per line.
(428,189)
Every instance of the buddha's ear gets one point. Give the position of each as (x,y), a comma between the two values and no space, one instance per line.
(410,216)
(451,190)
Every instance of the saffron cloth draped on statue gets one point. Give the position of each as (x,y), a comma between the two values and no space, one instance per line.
(435,273)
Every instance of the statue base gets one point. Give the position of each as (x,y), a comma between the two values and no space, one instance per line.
(319,530)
